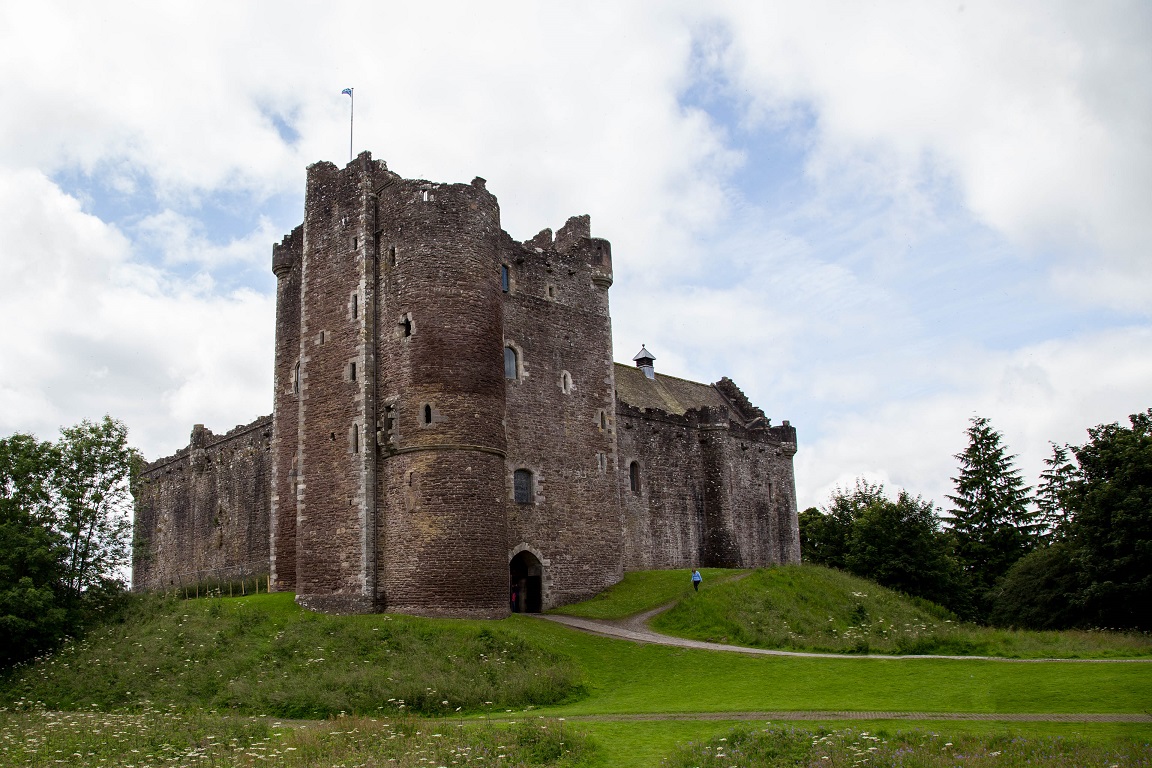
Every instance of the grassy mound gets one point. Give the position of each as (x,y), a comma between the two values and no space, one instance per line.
(265,655)
(810,608)
(644,590)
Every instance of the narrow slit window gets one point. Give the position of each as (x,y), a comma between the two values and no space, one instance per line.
(392,256)
(355,306)
(352,371)
(603,420)
(296,379)
(522,486)
(566,382)
(355,438)
(634,477)
(505,278)
(427,414)
(511,363)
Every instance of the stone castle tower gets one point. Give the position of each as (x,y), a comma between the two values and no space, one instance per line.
(450,435)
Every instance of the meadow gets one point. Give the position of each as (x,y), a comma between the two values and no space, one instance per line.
(239,681)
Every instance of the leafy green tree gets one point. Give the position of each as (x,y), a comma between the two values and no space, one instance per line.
(65,521)
(94,501)
(899,544)
(33,610)
(1040,591)
(1111,529)
(825,534)
(991,519)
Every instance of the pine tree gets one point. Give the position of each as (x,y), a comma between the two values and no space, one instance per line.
(1052,493)
(991,519)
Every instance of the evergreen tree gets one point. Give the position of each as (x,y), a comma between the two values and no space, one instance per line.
(1052,493)
(991,519)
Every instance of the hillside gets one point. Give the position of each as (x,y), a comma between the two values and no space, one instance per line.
(265,655)
(811,608)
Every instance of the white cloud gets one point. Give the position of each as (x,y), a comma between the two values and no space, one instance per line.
(1039,112)
(90,331)
(1048,392)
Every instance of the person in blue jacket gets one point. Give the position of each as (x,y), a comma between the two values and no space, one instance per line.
(696,579)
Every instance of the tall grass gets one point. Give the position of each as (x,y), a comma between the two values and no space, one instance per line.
(264,655)
(35,737)
(810,608)
(779,747)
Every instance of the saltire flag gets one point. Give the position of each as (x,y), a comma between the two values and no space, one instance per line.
(347,91)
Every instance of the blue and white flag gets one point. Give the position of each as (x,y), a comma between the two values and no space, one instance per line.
(347,91)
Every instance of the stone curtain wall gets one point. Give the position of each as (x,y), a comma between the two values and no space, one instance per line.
(559,415)
(203,514)
(712,492)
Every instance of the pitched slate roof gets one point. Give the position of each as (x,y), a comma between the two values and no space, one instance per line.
(665,393)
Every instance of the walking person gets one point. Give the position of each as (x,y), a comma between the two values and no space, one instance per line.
(696,579)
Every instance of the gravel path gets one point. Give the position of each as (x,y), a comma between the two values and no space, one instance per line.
(1075,717)
(635,628)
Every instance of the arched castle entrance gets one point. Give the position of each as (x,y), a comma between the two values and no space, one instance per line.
(525,583)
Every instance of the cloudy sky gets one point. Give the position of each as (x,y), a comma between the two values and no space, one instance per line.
(880,219)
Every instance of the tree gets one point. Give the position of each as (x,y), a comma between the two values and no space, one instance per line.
(1111,529)
(900,546)
(824,535)
(1040,591)
(33,614)
(65,520)
(94,501)
(1051,496)
(991,519)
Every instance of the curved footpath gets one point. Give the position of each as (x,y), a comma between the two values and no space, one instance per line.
(636,629)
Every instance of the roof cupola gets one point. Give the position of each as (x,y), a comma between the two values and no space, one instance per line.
(644,360)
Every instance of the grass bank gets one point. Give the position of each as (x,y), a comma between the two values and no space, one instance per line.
(265,655)
(810,608)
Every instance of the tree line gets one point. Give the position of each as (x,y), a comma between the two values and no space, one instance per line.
(1073,551)
(65,532)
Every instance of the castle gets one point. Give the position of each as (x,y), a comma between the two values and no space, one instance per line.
(450,435)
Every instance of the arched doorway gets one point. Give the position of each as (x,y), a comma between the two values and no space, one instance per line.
(525,581)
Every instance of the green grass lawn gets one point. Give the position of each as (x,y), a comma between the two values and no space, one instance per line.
(625,677)
(264,655)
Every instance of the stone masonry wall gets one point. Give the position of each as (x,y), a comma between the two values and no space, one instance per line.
(559,414)
(202,514)
(441,532)
(710,495)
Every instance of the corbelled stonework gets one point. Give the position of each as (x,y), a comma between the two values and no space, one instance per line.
(450,435)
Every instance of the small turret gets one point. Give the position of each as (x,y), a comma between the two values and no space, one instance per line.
(644,360)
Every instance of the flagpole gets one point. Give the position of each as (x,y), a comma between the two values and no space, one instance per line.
(351,120)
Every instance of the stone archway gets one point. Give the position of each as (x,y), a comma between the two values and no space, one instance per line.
(525,583)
